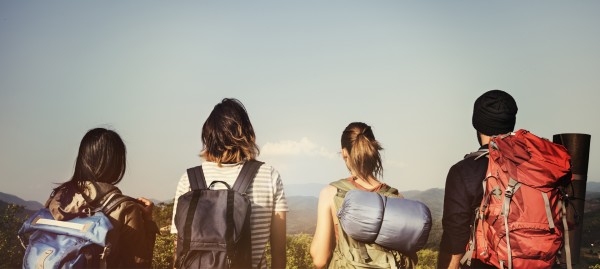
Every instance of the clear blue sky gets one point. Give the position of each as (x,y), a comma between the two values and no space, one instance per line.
(153,70)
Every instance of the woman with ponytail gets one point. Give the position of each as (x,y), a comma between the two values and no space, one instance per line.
(331,247)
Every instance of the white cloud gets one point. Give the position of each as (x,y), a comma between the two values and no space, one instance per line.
(295,148)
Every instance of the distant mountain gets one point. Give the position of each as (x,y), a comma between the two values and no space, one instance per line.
(433,198)
(302,217)
(12,199)
(592,186)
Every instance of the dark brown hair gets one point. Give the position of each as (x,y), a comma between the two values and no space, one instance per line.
(228,135)
(101,158)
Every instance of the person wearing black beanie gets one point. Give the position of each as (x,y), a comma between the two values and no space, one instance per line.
(494,113)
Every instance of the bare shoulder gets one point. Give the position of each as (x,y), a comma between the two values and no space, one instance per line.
(327,193)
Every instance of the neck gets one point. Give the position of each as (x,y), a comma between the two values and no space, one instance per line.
(370,182)
(485,139)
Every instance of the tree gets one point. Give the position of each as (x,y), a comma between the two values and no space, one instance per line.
(163,251)
(297,252)
(11,219)
(164,246)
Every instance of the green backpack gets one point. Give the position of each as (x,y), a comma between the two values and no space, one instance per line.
(350,253)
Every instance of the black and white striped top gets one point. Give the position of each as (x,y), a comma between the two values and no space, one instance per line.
(266,194)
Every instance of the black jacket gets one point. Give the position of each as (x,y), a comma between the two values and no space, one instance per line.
(463,194)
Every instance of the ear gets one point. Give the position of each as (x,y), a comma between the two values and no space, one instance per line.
(344,153)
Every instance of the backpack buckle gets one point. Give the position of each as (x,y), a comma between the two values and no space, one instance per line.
(512,185)
(105,252)
(87,211)
(509,192)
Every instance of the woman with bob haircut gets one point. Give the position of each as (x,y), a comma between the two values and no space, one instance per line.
(228,142)
(360,151)
(99,167)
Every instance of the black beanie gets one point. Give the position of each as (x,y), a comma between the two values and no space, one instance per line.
(494,112)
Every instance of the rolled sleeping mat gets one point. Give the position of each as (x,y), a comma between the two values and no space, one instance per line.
(395,223)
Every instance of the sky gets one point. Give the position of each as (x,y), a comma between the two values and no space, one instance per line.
(153,71)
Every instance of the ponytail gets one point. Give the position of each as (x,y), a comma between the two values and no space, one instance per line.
(363,150)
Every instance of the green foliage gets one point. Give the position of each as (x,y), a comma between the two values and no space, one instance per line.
(163,251)
(298,254)
(435,235)
(427,259)
(591,222)
(298,251)
(165,242)
(162,214)
(11,219)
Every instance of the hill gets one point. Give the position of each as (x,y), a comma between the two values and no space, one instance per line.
(433,198)
(12,199)
(302,217)
(20,214)
(592,186)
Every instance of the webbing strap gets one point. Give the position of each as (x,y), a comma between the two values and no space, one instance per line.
(478,154)
(513,186)
(196,178)
(230,224)
(364,255)
(342,186)
(508,250)
(548,212)
(115,200)
(567,245)
(467,257)
(469,254)
(249,170)
(187,229)
(472,243)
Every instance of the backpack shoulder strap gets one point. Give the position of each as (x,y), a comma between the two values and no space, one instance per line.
(196,178)
(390,191)
(113,200)
(478,154)
(343,186)
(246,176)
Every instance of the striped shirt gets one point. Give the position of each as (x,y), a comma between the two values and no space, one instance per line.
(265,193)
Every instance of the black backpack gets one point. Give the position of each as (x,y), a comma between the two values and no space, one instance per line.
(214,225)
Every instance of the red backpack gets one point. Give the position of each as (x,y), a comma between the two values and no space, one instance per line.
(522,217)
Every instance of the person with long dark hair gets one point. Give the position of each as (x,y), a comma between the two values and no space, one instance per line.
(99,167)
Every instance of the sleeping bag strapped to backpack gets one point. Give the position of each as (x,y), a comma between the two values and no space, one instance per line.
(366,253)
(521,219)
(392,222)
(214,225)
